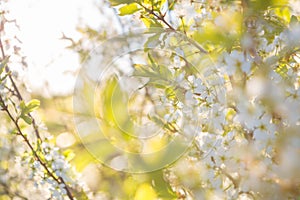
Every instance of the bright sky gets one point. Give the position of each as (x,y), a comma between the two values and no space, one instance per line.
(42,23)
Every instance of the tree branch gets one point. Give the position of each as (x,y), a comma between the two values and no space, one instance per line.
(161,18)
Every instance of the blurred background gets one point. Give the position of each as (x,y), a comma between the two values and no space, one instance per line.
(49,39)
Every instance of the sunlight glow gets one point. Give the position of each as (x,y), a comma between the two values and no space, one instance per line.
(51,66)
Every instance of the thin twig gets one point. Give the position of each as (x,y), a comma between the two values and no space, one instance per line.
(162,19)
(17,92)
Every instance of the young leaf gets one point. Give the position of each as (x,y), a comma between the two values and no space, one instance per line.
(33,105)
(69,154)
(143,71)
(154,65)
(128,9)
(119,2)
(4,77)
(22,105)
(293,20)
(152,41)
(27,108)
(3,64)
(150,23)
(26,118)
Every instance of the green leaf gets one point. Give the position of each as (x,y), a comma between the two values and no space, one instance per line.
(143,71)
(164,72)
(153,63)
(5,76)
(152,41)
(172,4)
(283,13)
(162,187)
(26,118)
(151,23)
(114,111)
(22,105)
(69,154)
(3,64)
(33,105)
(119,2)
(128,9)
(294,20)
(27,108)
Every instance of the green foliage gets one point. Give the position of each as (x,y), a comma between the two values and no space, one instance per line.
(119,2)
(128,9)
(150,23)
(28,108)
(159,75)
(294,20)
(260,6)
(2,69)
(114,111)
(69,154)
(162,188)
(3,64)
